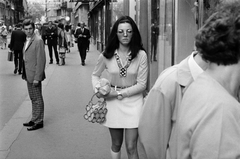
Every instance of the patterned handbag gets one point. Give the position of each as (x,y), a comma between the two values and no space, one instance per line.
(96,112)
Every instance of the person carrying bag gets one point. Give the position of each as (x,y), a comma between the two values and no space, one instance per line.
(62,40)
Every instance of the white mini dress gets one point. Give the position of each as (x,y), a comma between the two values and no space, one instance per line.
(124,113)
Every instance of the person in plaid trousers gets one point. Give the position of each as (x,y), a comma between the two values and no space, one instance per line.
(33,72)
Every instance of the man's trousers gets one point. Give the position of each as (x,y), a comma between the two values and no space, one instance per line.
(35,94)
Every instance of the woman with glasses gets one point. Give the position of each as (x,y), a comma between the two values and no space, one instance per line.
(126,63)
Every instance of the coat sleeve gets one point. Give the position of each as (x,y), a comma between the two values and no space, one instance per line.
(41,61)
(155,125)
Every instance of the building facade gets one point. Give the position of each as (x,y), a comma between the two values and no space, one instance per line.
(12,11)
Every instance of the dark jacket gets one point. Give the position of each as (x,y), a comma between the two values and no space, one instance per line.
(82,41)
(52,34)
(18,38)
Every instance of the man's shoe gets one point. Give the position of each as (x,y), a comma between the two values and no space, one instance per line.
(50,62)
(35,127)
(30,123)
(83,63)
(15,70)
(19,73)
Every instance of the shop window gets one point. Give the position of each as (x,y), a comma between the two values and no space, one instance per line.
(154,28)
(117,10)
(161,52)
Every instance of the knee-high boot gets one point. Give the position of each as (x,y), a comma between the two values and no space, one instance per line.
(116,155)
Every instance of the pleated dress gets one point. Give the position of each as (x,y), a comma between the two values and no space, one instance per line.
(124,113)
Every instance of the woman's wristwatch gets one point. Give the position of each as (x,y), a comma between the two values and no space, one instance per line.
(119,95)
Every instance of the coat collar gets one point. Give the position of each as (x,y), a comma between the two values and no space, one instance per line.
(184,76)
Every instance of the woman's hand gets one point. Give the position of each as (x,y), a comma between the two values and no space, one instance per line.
(110,95)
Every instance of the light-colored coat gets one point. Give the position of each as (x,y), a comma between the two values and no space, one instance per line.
(160,110)
(208,122)
(34,59)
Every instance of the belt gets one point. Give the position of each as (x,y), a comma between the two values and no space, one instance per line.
(120,87)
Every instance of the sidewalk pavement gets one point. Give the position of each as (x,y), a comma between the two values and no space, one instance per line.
(66,135)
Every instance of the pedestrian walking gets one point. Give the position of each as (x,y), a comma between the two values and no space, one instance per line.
(18,38)
(126,62)
(158,119)
(208,122)
(34,66)
(38,29)
(62,43)
(68,33)
(10,29)
(82,34)
(3,35)
(52,36)
(88,40)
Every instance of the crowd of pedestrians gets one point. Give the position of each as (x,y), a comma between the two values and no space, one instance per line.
(192,111)
(27,42)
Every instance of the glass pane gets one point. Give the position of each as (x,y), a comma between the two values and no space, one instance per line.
(154,29)
(117,10)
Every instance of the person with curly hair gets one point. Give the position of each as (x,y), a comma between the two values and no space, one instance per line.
(208,122)
(126,62)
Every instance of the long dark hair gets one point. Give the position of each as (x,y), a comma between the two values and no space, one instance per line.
(113,42)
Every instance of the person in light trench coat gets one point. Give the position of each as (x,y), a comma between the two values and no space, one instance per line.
(158,118)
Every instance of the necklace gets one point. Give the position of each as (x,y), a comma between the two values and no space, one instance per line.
(123,70)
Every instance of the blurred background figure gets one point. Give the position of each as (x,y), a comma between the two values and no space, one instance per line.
(18,38)
(38,29)
(52,36)
(10,29)
(88,40)
(62,43)
(3,35)
(82,34)
(69,36)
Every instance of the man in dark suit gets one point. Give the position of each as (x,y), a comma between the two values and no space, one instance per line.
(52,35)
(34,65)
(18,38)
(82,34)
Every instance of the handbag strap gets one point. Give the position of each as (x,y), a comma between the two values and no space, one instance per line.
(95,94)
